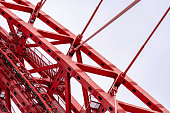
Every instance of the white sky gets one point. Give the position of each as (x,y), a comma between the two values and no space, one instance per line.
(121,40)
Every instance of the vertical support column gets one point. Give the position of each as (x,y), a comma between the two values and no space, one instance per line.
(68,93)
(7,99)
(86,100)
(85,93)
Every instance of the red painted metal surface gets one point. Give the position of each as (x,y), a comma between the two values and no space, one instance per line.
(50,91)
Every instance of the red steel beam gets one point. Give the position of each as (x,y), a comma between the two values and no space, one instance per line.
(56,82)
(7,98)
(55,36)
(18,7)
(16,95)
(97,70)
(75,106)
(68,93)
(128,83)
(47,19)
(31,21)
(131,85)
(25,77)
(85,92)
(75,71)
(5,35)
(53,43)
(23,2)
(3,107)
(135,109)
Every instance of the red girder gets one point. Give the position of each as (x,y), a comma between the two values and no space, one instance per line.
(16,93)
(27,79)
(5,104)
(85,92)
(55,77)
(56,54)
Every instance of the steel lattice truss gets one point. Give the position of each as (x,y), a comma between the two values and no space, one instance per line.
(51,92)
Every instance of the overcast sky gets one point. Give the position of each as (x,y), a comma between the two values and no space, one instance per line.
(121,40)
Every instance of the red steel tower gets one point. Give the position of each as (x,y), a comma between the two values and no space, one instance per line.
(48,90)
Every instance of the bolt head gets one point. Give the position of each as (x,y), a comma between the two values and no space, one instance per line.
(10,33)
(31,21)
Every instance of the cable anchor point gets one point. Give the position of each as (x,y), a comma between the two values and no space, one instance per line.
(75,44)
(36,11)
